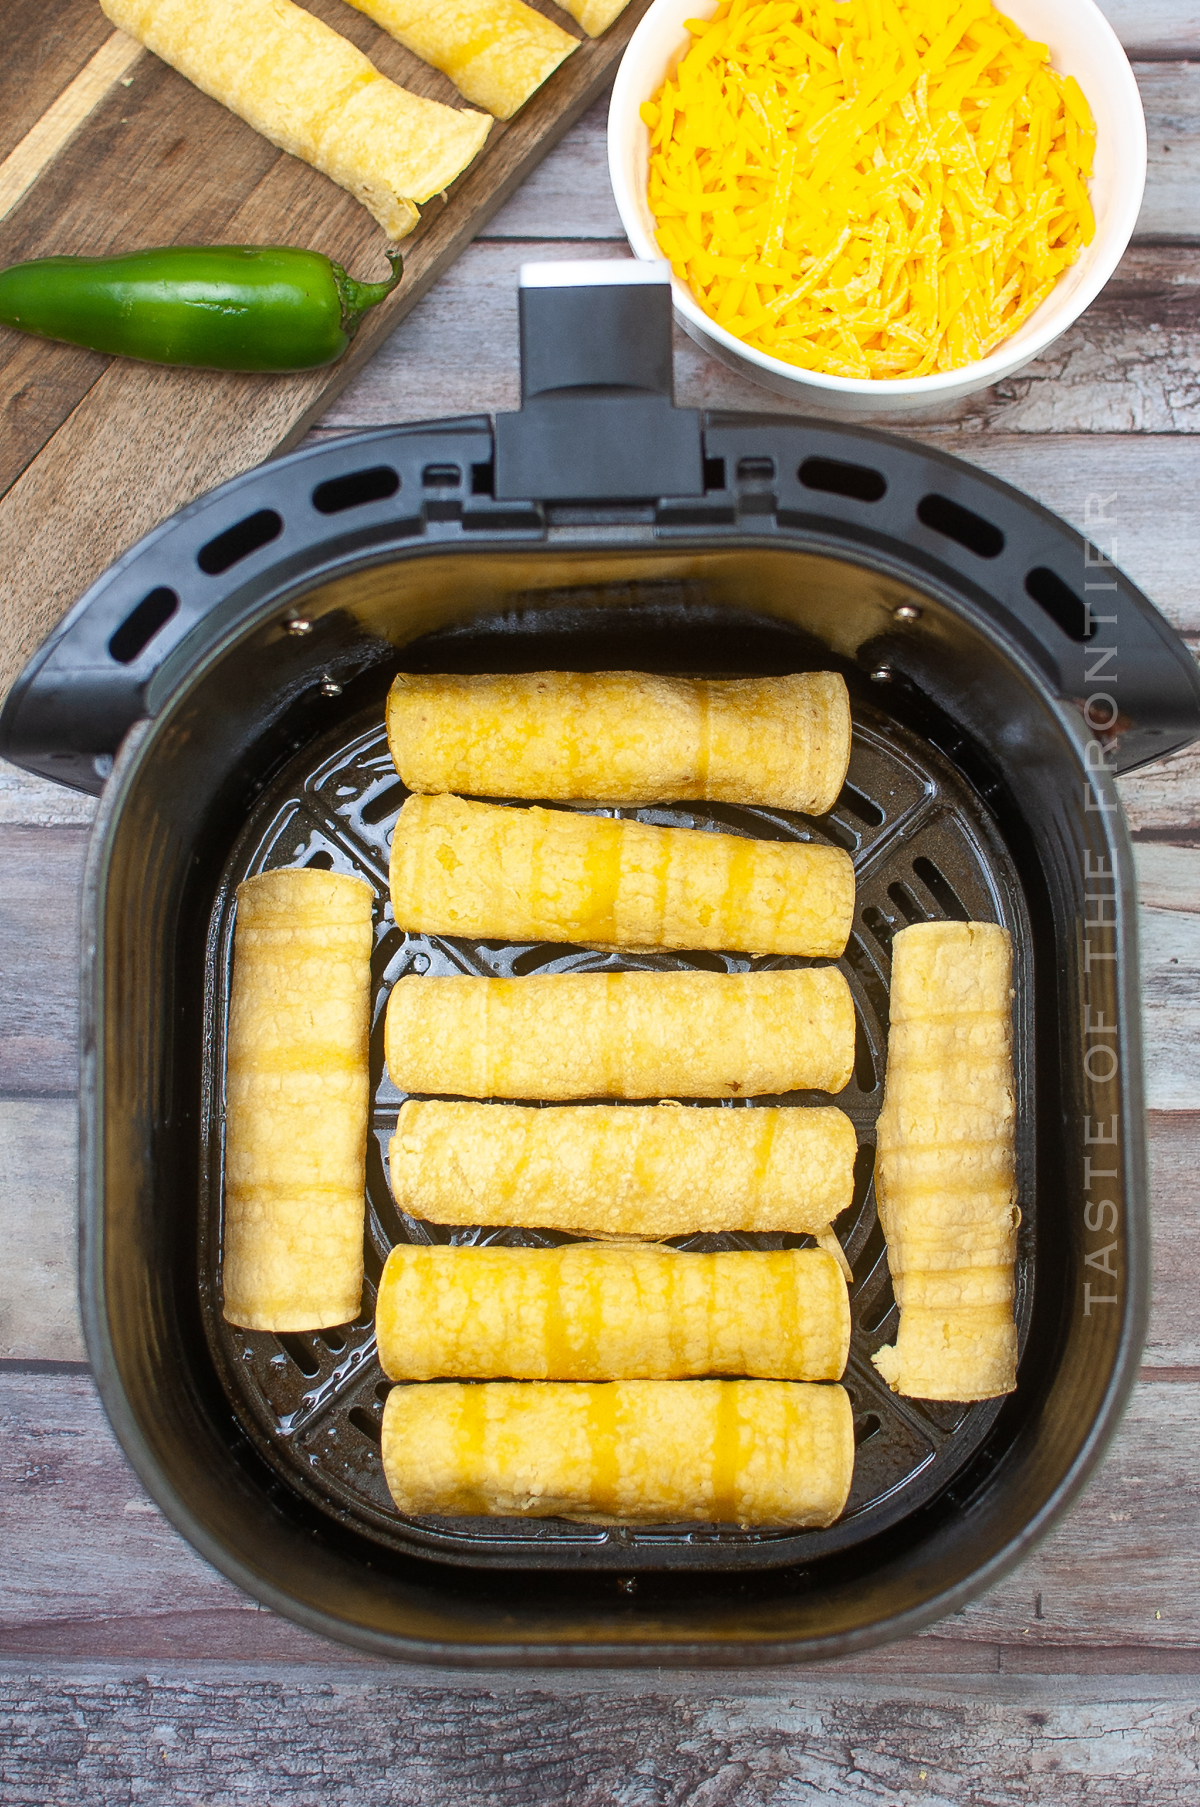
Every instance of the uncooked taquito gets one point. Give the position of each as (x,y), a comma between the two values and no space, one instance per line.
(595,16)
(622,1035)
(307,89)
(623,1170)
(296,1099)
(475,869)
(584,1312)
(624,737)
(945,1162)
(496,52)
(747,1452)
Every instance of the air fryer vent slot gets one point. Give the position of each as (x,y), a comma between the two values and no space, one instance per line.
(141,624)
(356,489)
(238,542)
(833,478)
(954,522)
(1067,610)
(923,844)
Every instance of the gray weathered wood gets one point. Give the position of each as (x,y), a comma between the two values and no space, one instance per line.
(1131,364)
(339,1737)
(1172,203)
(36,803)
(85,1547)
(1163,799)
(39,1308)
(1170,1008)
(1165,27)
(1173,1340)
(40,876)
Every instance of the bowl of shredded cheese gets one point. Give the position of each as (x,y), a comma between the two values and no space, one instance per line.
(878,204)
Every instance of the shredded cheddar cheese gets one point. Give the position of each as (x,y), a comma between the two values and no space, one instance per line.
(869,188)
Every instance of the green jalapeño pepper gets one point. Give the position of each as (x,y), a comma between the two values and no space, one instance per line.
(220,307)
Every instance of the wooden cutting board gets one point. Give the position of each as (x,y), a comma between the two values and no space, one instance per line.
(103,148)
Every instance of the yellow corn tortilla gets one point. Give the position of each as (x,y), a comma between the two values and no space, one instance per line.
(748,1452)
(496,52)
(595,16)
(624,737)
(296,1100)
(945,1173)
(460,868)
(620,1170)
(622,1035)
(311,92)
(608,1313)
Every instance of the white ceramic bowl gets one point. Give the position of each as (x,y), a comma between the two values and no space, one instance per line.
(1082,43)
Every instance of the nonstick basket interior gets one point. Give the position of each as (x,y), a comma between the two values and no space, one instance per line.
(925,847)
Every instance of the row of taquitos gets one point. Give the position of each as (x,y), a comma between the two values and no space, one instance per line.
(630,1035)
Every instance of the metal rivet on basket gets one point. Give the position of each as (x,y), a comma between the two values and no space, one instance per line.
(330,686)
(628,1584)
(882,674)
(298,625)
(908,611)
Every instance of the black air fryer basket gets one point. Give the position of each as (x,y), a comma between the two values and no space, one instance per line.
(227,679)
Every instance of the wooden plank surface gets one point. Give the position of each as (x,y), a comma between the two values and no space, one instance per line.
(1162,28)
(339,1738)
(1131,364)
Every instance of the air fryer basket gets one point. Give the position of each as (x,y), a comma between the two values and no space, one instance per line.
(239,659)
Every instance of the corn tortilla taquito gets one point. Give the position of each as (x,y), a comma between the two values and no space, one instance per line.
(747,1452)
(620,1170)
(296,1098)
(496,52)
(460,868)
(309,91)
(945,1172)
(607,1313)
(622,1035)
(624,737)
(595,16)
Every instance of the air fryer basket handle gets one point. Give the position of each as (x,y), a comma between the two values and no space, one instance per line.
(598,420)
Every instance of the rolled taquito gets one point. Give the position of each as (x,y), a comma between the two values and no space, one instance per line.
(746,1452)
(311,92)
(595,16)
(624,737)
(460,868)
(296,1099)
(588,1312)
(496,52)
(945,1175)
(620,1170)
(622,1035)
